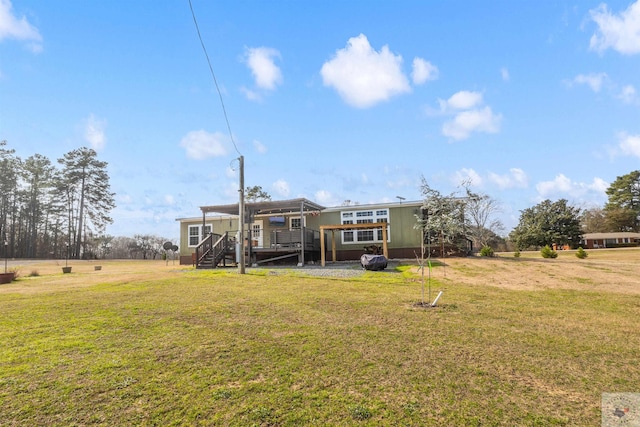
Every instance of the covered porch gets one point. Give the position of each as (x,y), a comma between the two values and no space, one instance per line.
(281,242)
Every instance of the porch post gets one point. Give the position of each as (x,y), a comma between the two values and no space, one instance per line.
(301,259)
(385,249)
(333,245)
(322,255)
(203,225)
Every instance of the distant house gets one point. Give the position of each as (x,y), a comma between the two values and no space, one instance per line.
(291,231)
(610,240)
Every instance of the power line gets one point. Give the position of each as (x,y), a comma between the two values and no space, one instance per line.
(195,21)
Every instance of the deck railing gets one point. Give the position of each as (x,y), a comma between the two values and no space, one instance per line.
(204,247)
(290,239)
(212,249)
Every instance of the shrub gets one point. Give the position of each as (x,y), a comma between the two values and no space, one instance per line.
(34,273)
(359,412)
(516,254)
(547,252)
(486,251)
(581,253)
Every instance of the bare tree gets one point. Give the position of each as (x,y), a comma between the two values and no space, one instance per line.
(441,221)
(594,220)
(480,213)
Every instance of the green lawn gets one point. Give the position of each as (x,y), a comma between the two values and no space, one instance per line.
(216,348)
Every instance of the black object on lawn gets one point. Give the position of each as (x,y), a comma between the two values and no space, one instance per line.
(373,262)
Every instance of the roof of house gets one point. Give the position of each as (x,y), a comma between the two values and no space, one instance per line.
(614,235)
(266,207)
(374,205)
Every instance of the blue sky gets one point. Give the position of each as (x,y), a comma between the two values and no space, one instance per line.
(328,100)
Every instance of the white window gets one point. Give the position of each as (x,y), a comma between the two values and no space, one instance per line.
(196,235)
(364,217)
(294,223)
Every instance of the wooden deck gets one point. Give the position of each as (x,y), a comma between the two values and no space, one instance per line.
(295,245)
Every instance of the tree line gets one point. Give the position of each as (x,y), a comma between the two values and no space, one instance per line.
(558,222)
(455,219)
(54,210)
(60,210)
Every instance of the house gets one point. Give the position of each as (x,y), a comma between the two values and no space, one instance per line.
(300,230)
(610,240)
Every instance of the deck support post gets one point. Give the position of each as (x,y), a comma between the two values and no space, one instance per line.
(301,258)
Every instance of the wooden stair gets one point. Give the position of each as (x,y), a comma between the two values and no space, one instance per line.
(215,249)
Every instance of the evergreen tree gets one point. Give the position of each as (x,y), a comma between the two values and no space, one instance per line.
(256,194)
(36,173)
(623,206)
(548,223)
(88,195)
(9,167)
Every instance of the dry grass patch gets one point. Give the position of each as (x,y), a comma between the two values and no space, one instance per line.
(604,271)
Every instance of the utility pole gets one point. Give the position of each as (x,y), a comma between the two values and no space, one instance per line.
(241,217)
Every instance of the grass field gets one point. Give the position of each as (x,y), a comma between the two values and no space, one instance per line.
(145,343)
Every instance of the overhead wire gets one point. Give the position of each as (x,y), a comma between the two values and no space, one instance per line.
(215,81)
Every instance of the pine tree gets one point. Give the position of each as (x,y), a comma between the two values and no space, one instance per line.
(88,195)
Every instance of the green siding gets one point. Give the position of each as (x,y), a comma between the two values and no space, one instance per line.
(402,223)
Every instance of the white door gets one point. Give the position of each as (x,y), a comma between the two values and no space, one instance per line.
(256,233)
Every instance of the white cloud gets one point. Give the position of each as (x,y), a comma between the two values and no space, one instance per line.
(630,144)
(468,116)
(462,100)
(505,74)
(619,32)
(466,122)
(124,199)
(231,173)
(230,191)
(94,132)
(266,73)
(593,80)
(469,176)
(628,95)
(599,185)
(251,94)
(281,188)
(423,71)
(19,29)
(169,199)
(400,182)
(259,147)
(324,198)
(516,178)
(563,185)
(200,144)
(362,76)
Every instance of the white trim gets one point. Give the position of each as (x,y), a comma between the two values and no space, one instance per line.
(200,234)
(291,218)
(257,225)
(373,215)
